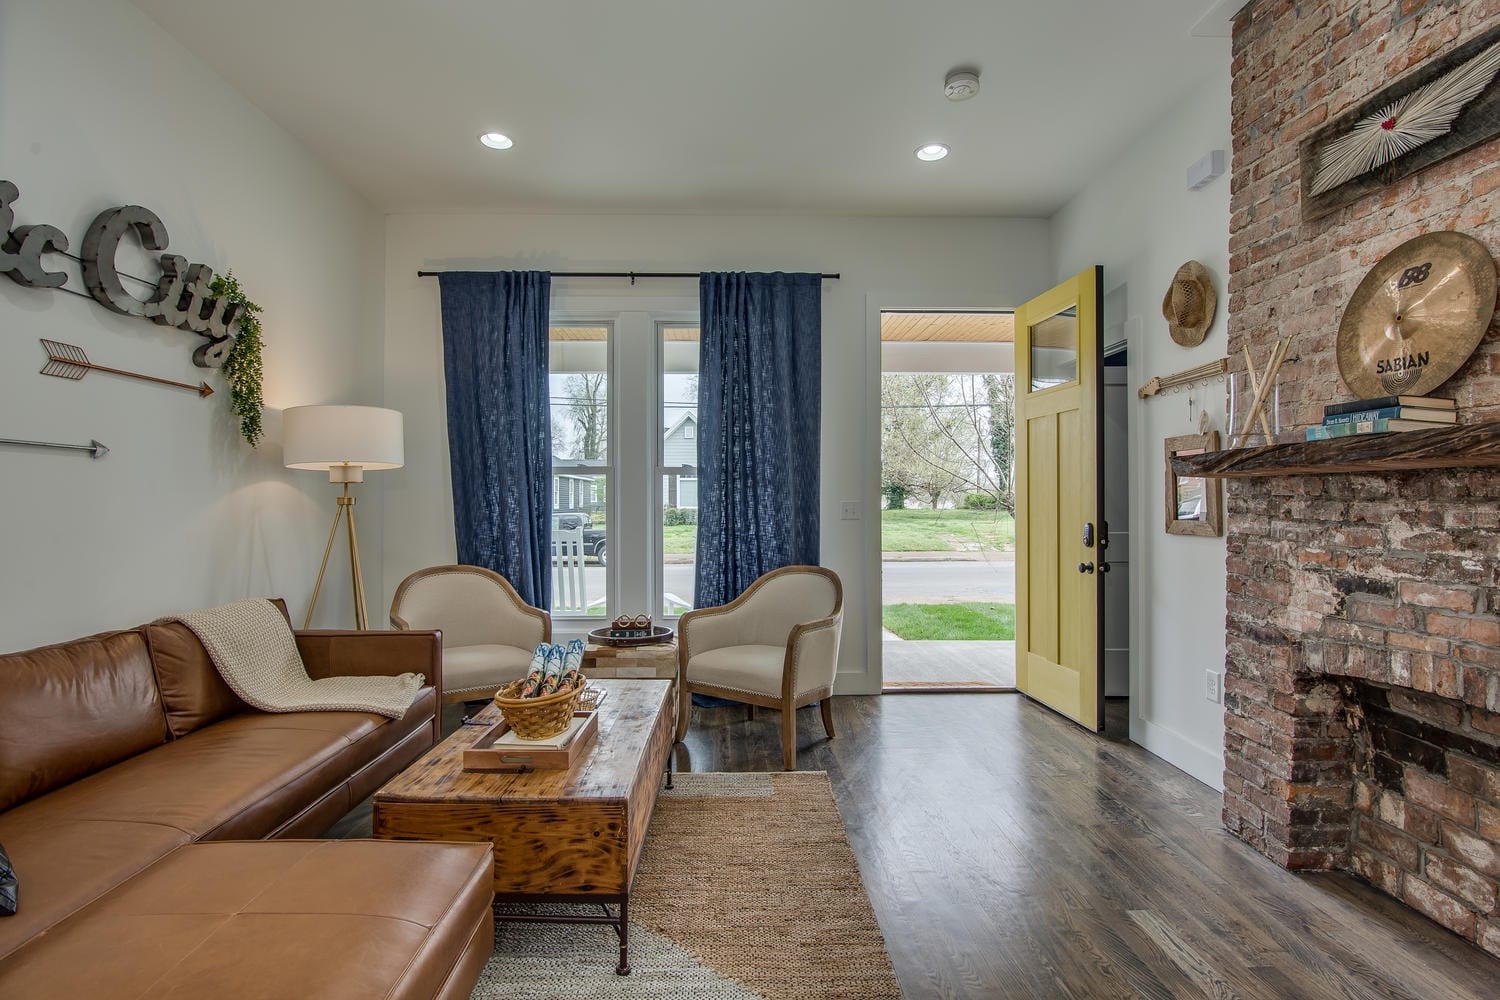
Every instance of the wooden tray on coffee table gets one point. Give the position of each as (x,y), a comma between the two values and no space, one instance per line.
(485,756)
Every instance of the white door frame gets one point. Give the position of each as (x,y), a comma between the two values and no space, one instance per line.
(877,302)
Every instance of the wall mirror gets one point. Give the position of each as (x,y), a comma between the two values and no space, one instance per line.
(1194,506)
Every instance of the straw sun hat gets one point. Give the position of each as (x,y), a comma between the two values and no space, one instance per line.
(1189,304)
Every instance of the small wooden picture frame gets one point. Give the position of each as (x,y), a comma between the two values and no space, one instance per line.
(1194,506)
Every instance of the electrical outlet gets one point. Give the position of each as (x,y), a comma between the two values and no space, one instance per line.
(1211,687)
(849,510)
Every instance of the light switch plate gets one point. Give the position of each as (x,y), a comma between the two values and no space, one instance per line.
(849,510)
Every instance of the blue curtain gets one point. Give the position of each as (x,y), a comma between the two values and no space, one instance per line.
(495,336)
(759,413)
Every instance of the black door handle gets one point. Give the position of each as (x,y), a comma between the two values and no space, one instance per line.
(1085,567)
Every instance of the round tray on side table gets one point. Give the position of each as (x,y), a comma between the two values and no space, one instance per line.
(659,633)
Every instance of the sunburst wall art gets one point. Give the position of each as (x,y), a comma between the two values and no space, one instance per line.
(1449,105)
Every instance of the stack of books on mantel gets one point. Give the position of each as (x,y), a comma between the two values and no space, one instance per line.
(1384,415)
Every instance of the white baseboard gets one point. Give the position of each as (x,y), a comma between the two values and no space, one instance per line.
(1182,753)
(861,683)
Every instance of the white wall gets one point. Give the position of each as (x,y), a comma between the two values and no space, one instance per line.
(885,263)
(1139,221)
(98,108)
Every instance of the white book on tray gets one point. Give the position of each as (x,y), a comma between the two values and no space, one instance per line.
(562,739)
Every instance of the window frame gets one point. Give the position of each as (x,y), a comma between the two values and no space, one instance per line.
(632,523)
(573,621)
(659,327)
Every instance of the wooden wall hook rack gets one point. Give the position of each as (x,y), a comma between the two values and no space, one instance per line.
(1203,373)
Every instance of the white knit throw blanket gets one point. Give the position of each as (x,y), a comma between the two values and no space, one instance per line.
(255,652)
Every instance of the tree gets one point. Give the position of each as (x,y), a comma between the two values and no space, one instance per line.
(562,436)
(948,434)
(588,410)
(927,437)
(1000,391)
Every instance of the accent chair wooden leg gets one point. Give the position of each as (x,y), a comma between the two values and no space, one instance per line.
(751,714)
(684,709)
(827,706)
(789,736)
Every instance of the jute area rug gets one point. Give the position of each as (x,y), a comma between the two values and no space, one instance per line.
(747,888)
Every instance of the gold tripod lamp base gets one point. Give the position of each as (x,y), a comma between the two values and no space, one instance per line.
(345,512)
(346,441)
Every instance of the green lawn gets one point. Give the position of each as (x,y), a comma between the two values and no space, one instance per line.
(946,531)
(679,539)
(950,621)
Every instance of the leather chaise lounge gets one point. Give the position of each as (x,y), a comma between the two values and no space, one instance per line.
(151,818)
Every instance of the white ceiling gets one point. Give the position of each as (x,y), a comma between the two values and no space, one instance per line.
(706,105)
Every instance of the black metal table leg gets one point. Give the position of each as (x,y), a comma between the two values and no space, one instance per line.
(623,969)
(669,770)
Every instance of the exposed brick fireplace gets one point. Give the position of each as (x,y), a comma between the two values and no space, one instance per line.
(1363,670)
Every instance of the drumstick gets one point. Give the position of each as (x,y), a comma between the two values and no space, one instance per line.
(1265,425)
(1277,354)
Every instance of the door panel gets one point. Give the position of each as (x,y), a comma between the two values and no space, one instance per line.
(1059,635)
(1041,492)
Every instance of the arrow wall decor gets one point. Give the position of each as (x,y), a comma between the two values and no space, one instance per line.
(70,362)
(94,448)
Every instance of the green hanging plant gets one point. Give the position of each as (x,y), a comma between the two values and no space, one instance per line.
(242,367)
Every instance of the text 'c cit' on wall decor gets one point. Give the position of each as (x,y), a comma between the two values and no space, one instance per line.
(180,299)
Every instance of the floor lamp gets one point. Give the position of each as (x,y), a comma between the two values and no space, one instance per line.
(345,440)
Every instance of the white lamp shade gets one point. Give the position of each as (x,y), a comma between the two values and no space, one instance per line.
(320,437)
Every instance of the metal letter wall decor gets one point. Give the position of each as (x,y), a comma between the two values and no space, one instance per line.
(180,299)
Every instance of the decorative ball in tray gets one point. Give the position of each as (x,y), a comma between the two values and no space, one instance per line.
(631,630)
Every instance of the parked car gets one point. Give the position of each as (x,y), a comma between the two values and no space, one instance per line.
(594,543)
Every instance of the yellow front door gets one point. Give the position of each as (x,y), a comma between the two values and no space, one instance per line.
(1059,537)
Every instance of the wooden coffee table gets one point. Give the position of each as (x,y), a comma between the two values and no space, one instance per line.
(560,836)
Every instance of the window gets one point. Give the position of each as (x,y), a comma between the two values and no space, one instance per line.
(579,389)
(679,466)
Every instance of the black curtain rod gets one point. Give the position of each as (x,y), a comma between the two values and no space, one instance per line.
(632,275)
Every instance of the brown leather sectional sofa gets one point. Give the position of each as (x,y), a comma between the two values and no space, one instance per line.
(131,779)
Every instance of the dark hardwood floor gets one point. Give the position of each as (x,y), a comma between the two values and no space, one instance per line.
(1010,854)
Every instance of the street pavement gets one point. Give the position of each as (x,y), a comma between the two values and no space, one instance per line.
(902,582)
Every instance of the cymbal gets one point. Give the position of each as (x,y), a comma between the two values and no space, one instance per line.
(1417,316)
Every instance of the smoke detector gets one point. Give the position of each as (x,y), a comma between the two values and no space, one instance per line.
(961,85)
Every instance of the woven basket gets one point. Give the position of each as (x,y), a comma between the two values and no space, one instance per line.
(538,718)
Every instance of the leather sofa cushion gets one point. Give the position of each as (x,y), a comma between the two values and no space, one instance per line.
(65,865)
(69,710)
(326,919)
(193,694)
(244,777)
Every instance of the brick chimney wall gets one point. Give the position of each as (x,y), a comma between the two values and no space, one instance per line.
(1358,604)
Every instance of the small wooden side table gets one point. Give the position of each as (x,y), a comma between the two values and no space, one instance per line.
(657,661)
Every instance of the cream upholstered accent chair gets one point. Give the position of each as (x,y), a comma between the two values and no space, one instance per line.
(489,633)
(776,645)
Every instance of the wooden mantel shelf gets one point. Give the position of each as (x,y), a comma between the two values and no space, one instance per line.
(1474,446)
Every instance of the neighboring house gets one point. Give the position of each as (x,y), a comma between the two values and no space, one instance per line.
(679,458)
(576,487)
(573,492)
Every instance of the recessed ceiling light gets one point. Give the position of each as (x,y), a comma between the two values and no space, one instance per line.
(496,140)
(932,151)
